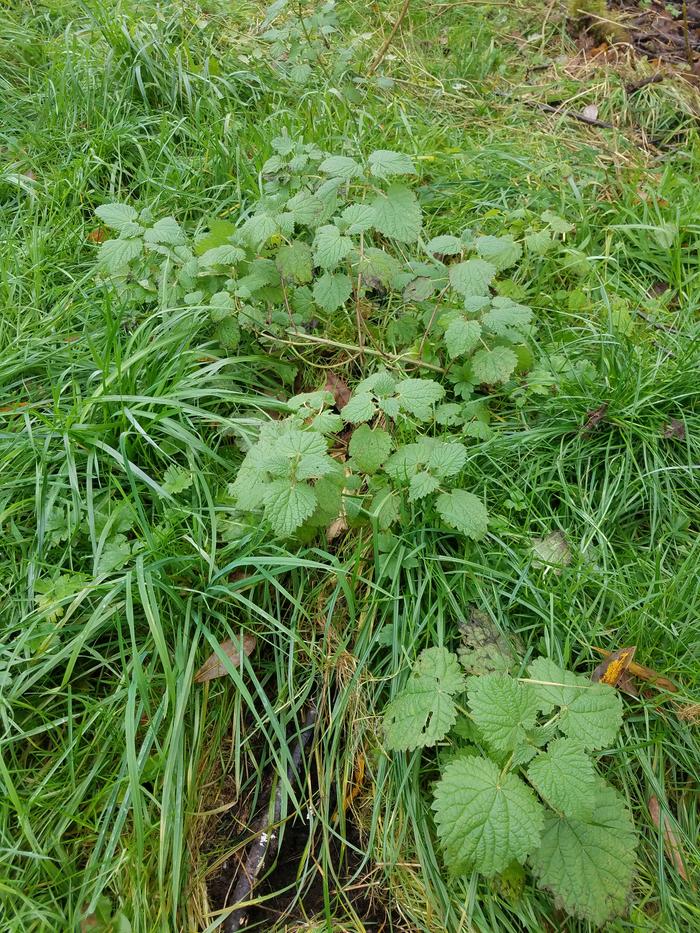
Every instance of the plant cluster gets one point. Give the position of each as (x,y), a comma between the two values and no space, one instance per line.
(519,783)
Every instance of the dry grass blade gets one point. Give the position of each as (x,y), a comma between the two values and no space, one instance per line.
(214,667)
(672,846)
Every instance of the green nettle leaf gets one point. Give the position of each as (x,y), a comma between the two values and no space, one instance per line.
(258,229)
(115,255)
(444,246)
(464,511)
(591,714)
(424,712)
(294,262)
(418,396)
(358,217)
(501,251)
(360,408)
(556,223)
(589,865)
(375,263)
(369,448)
(384,163)
(306,208)
(564,776)
(397,214)
(176,479)
(485,819)
(493,366)
(472,277)
(341,167)
(227,255)
(379,383)
(421,485)
(166,230)
(330,247)
(461,336)
(503,710)
(447,458)
(332,290)
(506,316)
(228,333)
(288,506)
(539,243)
(116,216)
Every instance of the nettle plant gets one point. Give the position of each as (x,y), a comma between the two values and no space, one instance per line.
(519,783)
(290,476)
(333,243)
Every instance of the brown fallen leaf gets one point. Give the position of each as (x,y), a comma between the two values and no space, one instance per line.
(98,235)
(675,428)
(213,667)
(672,846)
(336,528)
(644,673)
(614,666)
(339,388)
(593,418)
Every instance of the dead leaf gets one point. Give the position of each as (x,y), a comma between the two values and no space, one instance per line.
(484,648)
(645,673)
(672,846)
(593,418)
(614,666)
(213,667)
(339,388)
(675,428)
(552,550)
(688,712)
(590,112)
(98,235)
(336,528)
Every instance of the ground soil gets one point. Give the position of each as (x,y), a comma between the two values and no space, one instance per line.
(660,31)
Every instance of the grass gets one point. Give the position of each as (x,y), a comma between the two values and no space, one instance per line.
(122,778)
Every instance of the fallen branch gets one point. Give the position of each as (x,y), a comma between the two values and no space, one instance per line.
(266,831)
(379,57)
(572,115)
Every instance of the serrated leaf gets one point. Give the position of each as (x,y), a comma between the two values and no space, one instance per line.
(332,290)
(340,167)
(461,336)
(447,458)
(503,709)
(493,366)
(589,866)
(564,776)
(556,223)
(294,262)
(383,163)
(539,243)
(379,383)
(424,712)
(228,333)
(288,506)
(418,396)
(258,229)
(115,553)
(398,215)
(116,216)
(369,448)
(444,246)
(330,247)
(485,819)
(472,277)
(591,714)
(176,479)
(358,218)
(166,230)
(506,315)
(306,208)
(420,289)
(421,485)
(360,408)
(226,255)
(501,251)
(115,255)
(464,511)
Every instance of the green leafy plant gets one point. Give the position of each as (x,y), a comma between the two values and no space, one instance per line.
(521,785)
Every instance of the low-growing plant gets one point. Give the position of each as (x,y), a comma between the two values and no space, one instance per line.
(519,782)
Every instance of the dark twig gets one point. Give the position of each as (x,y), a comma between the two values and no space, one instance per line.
(267,835)
(379,57)
(635,86)
(572,115)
